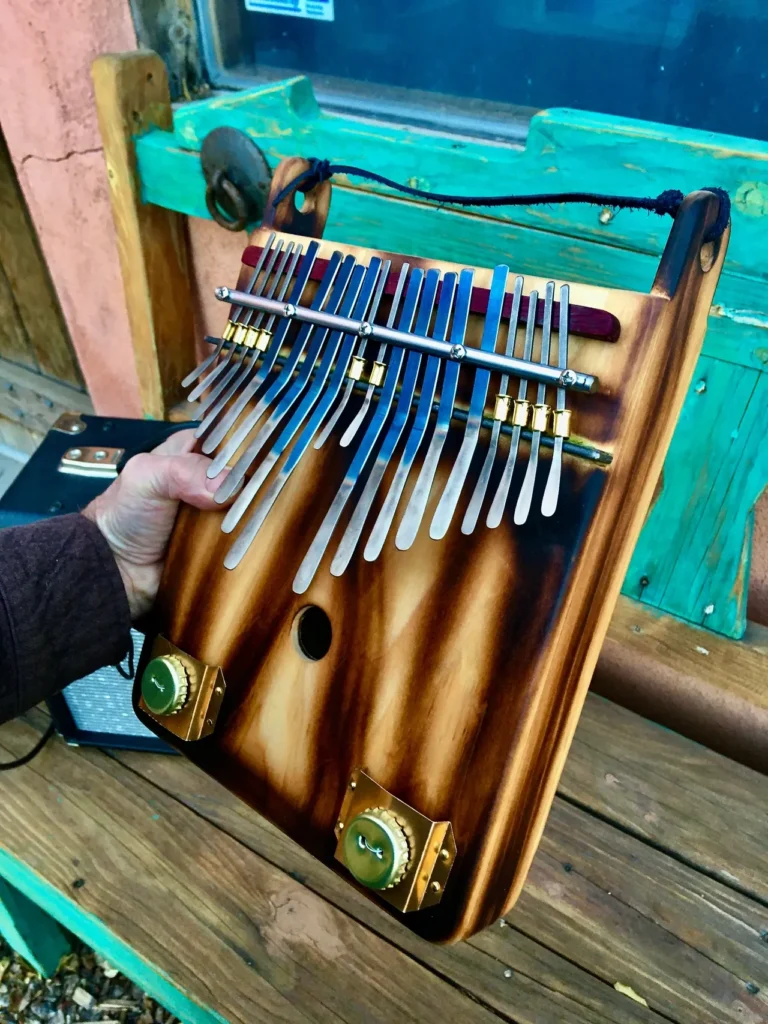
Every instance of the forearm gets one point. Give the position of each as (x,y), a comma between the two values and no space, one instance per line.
(63,609)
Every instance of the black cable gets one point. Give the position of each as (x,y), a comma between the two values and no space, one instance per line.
(6,766)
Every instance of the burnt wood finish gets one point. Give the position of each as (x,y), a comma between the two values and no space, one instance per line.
(458,669)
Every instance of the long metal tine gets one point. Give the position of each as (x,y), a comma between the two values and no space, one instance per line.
(383,522)
(333,419)
(496,511)
(316,551)
(203,366)
(220,367)
(227,422)
(552,489)
(450,496)
(327,396)
(348,436)
(414,512)
(239,357)
(523,506)
(478,496)
(342,300)
(356,524)
(284,280)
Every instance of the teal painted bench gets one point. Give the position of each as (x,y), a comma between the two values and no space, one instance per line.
(693,557)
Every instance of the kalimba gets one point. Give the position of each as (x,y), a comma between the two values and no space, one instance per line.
(383,639)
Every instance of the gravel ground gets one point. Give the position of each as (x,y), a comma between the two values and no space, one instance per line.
(85,988)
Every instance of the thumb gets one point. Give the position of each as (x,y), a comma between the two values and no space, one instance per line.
(173,478)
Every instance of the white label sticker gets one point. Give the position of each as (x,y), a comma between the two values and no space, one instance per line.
(319,10)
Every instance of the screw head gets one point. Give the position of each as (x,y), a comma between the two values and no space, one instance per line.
(289,311)
(701,387)
(458,352)
(365,330)
(339,825)
(567,378)
(606,215)
(100,455)
(508,973)
(221,293)
(74,453)
(435,886)
(709,609)
(353,784)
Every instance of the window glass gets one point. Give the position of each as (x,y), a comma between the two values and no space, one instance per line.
(471,65)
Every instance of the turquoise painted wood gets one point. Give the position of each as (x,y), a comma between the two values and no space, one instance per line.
(32,933)
(694,551)
(53,903)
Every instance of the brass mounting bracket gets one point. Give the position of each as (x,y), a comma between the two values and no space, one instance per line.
(432,845)
(197,718)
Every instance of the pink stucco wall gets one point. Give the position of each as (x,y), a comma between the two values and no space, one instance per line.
(49,120)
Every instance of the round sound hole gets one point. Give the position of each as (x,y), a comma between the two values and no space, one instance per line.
(312,629)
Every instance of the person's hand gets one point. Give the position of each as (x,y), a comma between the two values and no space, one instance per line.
(136,513)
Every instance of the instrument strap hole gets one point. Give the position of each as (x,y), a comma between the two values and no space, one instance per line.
(312,632)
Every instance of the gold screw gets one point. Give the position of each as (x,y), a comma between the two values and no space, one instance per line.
(353,784)
(445,855)
(218,691)
(435,886)
(340,825)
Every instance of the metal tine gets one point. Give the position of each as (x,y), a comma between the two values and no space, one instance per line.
(225,425)
(414,512)
(342,301)
(251,358)
(203,366)
(238,359)
(289,432)
(316,551)
(478,496)
(349,434)
(219,434)
(333,419)
(552,489)
(266,253)
(351,536)
(450,496)
(523,506)
(496,511)
(383,522)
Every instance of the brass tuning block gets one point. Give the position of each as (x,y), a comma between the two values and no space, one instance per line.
(388,846)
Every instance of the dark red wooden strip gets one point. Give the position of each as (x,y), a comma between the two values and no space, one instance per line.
(586,321)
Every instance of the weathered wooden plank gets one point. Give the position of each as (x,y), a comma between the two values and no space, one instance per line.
(32,329)
(131,97)
(680,796)
(187,896)
(690,679)
(35,402)
(31,932)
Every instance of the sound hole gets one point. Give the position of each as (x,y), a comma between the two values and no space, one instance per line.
(313,632)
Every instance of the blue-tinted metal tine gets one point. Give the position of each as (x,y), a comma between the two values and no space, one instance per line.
(316,551)
(552,489)
(478,495)
(300,415)
(349,434)
(419,427)
(356,525)
(450,496)
(414,512)
(341,298)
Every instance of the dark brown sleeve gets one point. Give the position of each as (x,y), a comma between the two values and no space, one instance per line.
(63,609)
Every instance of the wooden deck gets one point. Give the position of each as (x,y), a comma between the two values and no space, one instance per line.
(651,875)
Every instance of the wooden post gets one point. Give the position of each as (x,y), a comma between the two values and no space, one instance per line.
(30,931)
(132,97)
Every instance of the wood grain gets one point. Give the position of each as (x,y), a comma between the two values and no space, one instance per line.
(132,97)
(234,931)
(35,402)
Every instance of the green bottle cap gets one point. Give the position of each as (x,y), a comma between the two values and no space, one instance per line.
(376,849)
(165,685)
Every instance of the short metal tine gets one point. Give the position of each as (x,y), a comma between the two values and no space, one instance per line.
(220,435)
(316,551)
(211,397)
(519,420)
(231,416)
(341,298)
(414,512)
(252,355)
(540,414)
(391,439)
(219,369)
(233,316)
(552,489)
(383,522)
(362,298)
(450,496)
(500,415)
(348,436)
(333,419)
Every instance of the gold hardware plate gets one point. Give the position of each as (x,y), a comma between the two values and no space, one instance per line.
(89,461)
(197,718)
(69,423)
(432,846)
